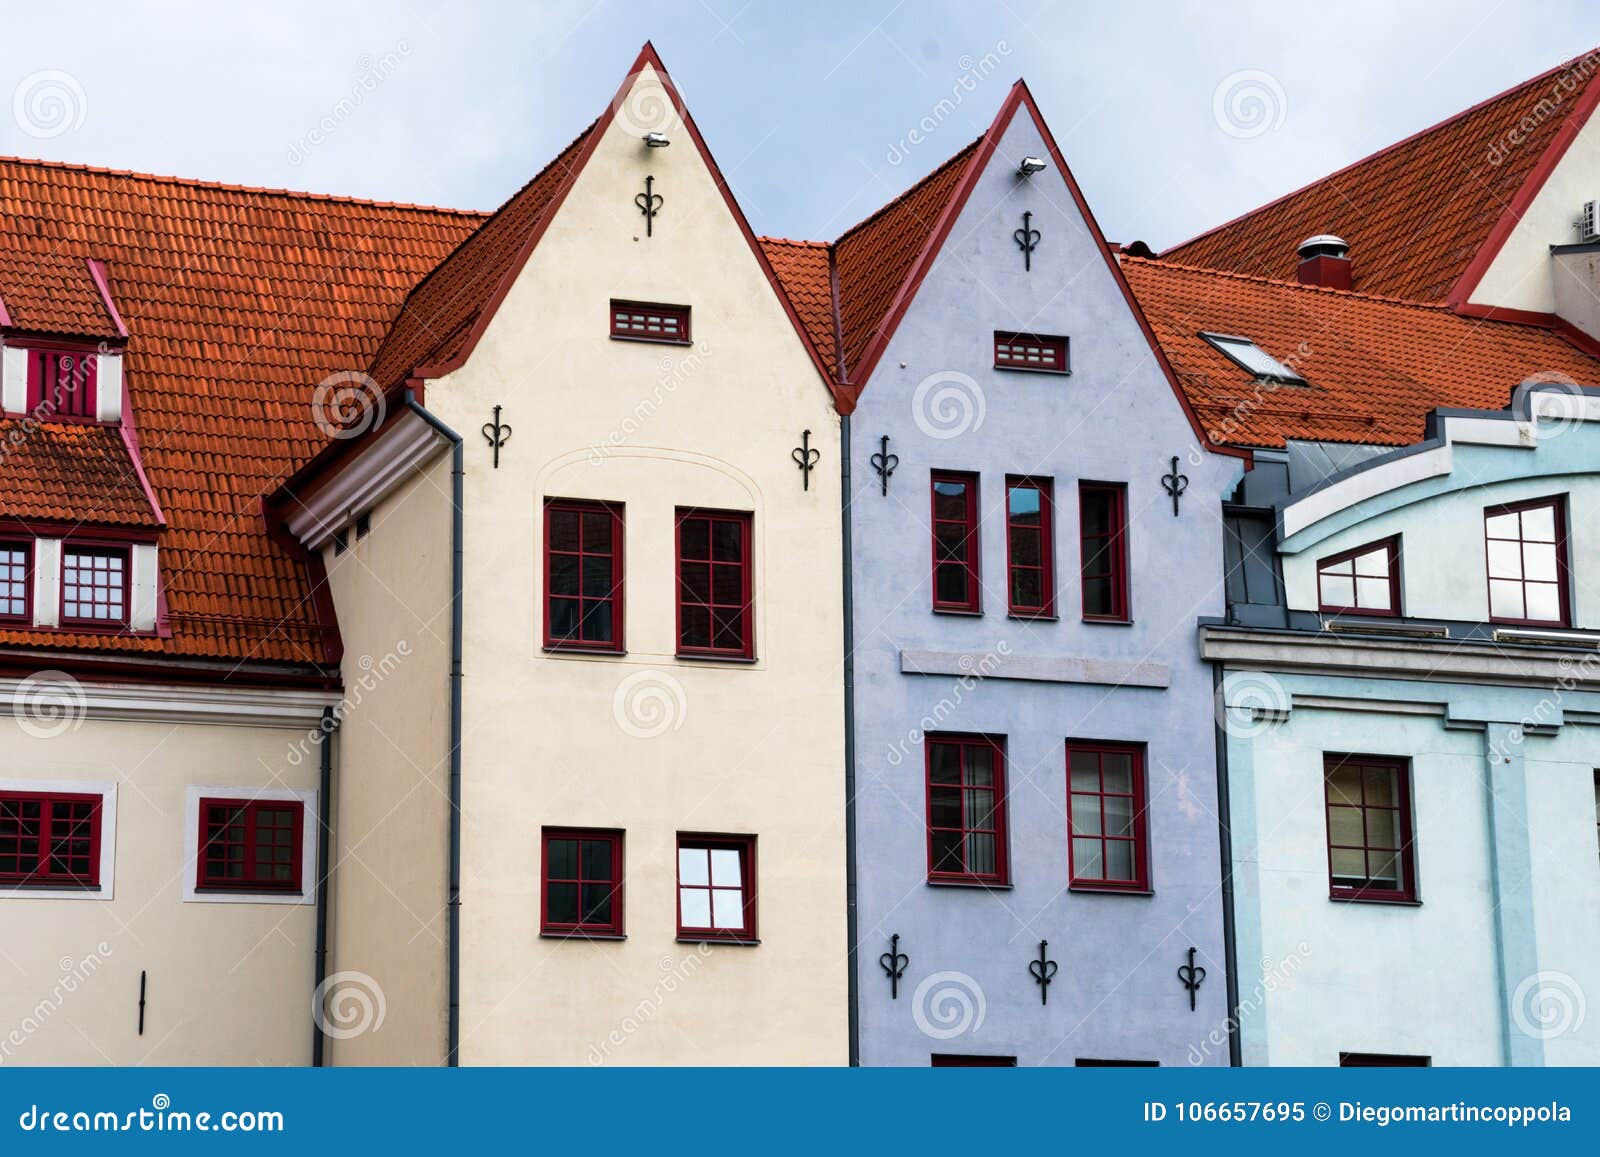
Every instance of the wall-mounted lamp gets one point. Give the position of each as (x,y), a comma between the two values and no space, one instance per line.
(656,140)
(1030,166)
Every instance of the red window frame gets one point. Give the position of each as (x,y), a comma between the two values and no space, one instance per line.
(1033,352)
(9,568)
(613,881)
(1043,564)
(967,563)
(1391,552)
(15,842)
(1093,798)
(650,321)
(718,604)
(1104,557)
(95,550)
(1400,806)
(247,812)
(968,824)
(1558,509)
(587,514)
(74,404)
(745,846)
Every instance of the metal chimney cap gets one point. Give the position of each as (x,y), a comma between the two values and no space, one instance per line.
(1323,245)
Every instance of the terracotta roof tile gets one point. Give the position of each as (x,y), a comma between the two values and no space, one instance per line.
(1416,212)
(803,272)
(75,472)
(874,257)
(1374,366)
(238,302)
(440,312)
(55,294)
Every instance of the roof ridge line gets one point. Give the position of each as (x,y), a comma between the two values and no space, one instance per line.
(1384,299)
(793,241)
(230,187)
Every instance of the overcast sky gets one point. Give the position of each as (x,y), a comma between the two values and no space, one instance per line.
(1173,117)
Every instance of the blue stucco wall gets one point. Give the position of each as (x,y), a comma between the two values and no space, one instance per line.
(1116,994)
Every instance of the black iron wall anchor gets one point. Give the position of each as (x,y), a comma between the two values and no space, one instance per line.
(1027,239)
(1175,484)
(805,458)
(497,434)
(141,1001)
(1043,971)
(649,203)
(1192,976)
(894,964)
(884,462)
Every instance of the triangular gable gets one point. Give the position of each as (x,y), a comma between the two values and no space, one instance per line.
(962,171)
(1424,215)
(469,286)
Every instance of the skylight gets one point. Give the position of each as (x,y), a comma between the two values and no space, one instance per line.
(1253,358)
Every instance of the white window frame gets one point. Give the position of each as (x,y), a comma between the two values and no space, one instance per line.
(194,793)
(108,839)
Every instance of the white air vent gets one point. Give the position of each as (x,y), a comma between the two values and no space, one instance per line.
(1589,225)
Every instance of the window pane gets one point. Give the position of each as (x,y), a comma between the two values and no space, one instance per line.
(727,585)
(1338,591)
(947,848)
(564,530)
(694,581)
(1505,599)
(597,527)
(1344,785)
(1027,588)
(951,583)
(725,871)
(695,904)
(980,807)
(1373,594)
(695,537)
(1384,869)
(597,903)
(1539,524)
(1117,767)
(1025,547)
(1097,597)
(1345,826)
(1086,815)
(1539,562)
(945,763)
(951,540)
(596,622)
(1085,767)
(1023,504)
(980,854)
(1544,602)
(597,575)
(727,541)
(727,628)
(945,807)
(1119,859)
(597,859)
(1505,560)
(563,860)
(980,764)
(694,866)
(950,500)
(1502,526)
(564,618)
(562,903)
(696,627)
(1086,861)
(1119,815)
(1349,865)
(1383,828)
(727,908)
(1373,564)
(563,574)
(1379,784)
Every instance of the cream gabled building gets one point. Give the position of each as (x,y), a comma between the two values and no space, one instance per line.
(596,813)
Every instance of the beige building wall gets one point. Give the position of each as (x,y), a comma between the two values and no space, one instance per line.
(646,742)
(229,981)
(388,948)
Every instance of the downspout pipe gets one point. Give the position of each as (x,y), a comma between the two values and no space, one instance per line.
(1230,945)
(325,730)
(457,527)
(852,927)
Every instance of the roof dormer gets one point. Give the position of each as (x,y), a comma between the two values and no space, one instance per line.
(61,340)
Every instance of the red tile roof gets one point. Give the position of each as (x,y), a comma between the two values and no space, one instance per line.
(1374,366)
(804,274)
(238,302)
(52,293)
(443,308)
(1415,213)
(71,472)
(874,258)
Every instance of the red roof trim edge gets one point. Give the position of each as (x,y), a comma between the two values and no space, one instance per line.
(97,273)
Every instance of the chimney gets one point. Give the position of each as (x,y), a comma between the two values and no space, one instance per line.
(1325,261)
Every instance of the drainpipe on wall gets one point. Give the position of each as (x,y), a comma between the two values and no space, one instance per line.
(851,981)
(457,489)
(1230,949)
(330,724)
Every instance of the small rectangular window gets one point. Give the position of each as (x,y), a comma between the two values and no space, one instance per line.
(645,321)
(1103,546)
(1369,828)
(1526,546)
(1363,581)
(16,581)
(955,542)
(1248,356)
(971,1061)
(1106,815)
(1029,351)
(1383,1061)
(251,845)
(1030,548)
(966,809)
(49,838)
(715,616)
(583,575)
(716,887)
(582,882)
(94,586)
(61,384)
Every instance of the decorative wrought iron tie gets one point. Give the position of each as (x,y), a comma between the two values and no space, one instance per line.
(141,1001)
(1192,976)
(1043,971)
(497,434)
(894,963)
(649,204)
(1175,484)
(805,458)
(884,462)
(1027,239)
